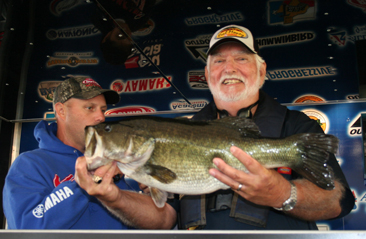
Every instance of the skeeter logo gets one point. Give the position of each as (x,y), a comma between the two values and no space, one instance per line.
(130,110)
(59,6)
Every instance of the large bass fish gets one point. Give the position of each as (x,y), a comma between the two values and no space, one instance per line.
(174,155)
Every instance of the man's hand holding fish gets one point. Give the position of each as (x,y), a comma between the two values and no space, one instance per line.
(266,187)
(104,189)
(132,208)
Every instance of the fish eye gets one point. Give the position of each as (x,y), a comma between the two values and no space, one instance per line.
(108,128)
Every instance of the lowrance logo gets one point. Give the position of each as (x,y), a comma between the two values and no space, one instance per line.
(70,33)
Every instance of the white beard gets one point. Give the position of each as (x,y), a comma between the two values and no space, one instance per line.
(231,96)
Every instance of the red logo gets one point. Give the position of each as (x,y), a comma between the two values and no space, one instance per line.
(56,179)
(130,110)
(117,86)
(358,3)
(284,170)
(132,62)
(90,82)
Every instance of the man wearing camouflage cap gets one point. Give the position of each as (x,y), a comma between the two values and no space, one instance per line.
(50,187)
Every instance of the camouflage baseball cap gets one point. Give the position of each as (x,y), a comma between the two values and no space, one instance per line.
(83,88)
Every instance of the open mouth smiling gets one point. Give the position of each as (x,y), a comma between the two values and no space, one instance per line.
(231,81)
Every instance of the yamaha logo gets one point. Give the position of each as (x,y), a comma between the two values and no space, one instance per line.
(38,211)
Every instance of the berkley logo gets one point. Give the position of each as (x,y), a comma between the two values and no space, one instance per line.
(59,6)
(232,32)
(140,85)
(284,170)
(130,110)
(90,82)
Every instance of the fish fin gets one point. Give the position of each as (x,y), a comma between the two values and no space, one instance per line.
(246,127)
(158,196)
(140,158)
(315,149)
(160,173)
(170,195)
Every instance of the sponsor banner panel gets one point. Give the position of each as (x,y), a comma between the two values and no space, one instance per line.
(300,60)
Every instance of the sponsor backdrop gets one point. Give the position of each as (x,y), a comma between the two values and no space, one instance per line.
(309,47)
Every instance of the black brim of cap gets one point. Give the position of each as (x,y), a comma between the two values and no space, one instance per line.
(226,40)
(111,97)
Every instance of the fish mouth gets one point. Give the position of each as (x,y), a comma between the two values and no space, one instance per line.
(91,142)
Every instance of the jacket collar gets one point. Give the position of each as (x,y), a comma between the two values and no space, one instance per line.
(269,116)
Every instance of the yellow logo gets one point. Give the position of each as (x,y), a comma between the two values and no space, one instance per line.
(232,32)
(308,98)
(319,117)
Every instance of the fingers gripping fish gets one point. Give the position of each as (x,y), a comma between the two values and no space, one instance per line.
(174,155)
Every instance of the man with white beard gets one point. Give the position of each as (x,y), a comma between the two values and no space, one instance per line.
(268,199)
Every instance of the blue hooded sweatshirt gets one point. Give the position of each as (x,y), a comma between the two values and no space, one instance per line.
(40,191)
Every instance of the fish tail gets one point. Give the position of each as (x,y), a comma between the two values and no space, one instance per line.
(315,150)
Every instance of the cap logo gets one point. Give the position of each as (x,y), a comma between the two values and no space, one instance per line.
(232,32)
(90,82)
